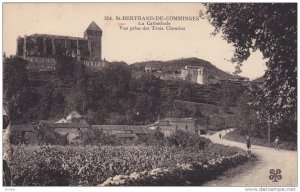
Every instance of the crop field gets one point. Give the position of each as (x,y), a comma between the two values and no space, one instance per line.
(92,165)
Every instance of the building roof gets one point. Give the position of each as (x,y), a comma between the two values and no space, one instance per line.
(93,27)
(67,125)
(57,36)
(22,127)
(193,67)
(126,135)
(135,128)
(63,120)
(201,127)
(73,115)
(173,119)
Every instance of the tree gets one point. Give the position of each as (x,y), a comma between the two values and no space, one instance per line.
(147,96)
(272,29)
(69,70)
(108,92)
(17,92)
(15,76)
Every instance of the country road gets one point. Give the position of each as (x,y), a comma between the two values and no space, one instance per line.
(258,174)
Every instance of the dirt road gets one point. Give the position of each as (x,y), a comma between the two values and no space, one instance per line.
(258,174)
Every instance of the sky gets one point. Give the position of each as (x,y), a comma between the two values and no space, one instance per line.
(71,19)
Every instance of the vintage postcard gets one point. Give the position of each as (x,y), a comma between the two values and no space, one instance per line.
(150,94)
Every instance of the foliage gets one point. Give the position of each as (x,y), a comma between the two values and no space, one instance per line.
(186,140)
(191,174)
(272,29)
(108,91)
(16,87)
(69,69)
(15,76)
(52,103)
(113,95)
(146,91)
(258,137)
(40,135)
(97,137)
(38,167)
(90,166)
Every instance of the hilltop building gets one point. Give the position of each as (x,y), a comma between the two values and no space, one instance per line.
(194,74)
(42,49)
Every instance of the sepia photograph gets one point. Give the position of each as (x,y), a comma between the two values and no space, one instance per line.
(149,94)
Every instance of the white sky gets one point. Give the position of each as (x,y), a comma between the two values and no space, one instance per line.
(130,46)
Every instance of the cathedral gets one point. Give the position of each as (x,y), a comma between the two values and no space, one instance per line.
(42,49)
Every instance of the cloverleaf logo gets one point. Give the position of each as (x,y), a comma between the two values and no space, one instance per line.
(275,175)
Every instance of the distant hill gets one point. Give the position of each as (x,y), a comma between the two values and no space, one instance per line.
(175,66)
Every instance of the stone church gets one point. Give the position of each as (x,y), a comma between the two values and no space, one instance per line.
(42,49)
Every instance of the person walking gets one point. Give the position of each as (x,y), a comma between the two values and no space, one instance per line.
(220,135)
(248,143)
(276,143)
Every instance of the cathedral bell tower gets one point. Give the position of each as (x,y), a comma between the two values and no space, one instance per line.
(94,34)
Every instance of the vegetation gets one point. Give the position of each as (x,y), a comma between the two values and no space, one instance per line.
(16,87)
(40,135)
(92,165)
(272,29)
(284,143)
(114,95)
(96,137)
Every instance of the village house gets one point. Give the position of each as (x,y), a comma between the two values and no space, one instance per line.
(20,132)
(123,132)
(70,130)
(169,125)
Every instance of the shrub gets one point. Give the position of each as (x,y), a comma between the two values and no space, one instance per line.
(184,139)
(97,137)
(40,135)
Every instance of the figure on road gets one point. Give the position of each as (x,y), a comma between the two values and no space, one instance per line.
(248,142)
(220,135)
(276,146)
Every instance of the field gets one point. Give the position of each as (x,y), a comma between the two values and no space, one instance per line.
(92,165)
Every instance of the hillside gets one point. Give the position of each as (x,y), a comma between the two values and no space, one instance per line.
(114,95)
(174,66)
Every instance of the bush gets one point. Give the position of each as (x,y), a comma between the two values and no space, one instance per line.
(40,135)
(155,139)
(184,139)
(38,168)
(97,137)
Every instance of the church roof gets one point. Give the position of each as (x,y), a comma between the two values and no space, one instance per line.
(93,27)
